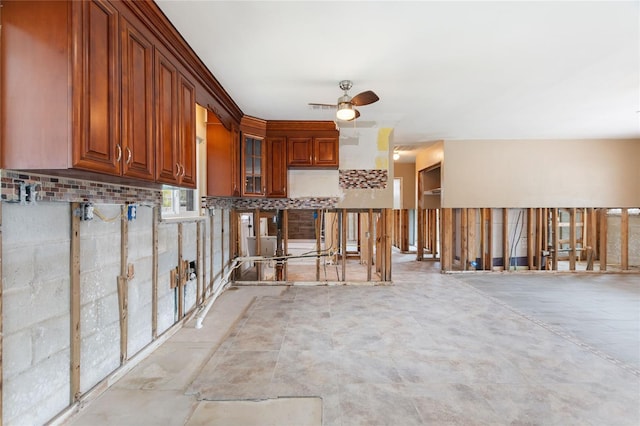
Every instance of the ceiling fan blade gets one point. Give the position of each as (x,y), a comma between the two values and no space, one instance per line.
(323,105)
(364,98)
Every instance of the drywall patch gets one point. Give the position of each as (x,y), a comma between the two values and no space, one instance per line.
(383,138)
(363,179)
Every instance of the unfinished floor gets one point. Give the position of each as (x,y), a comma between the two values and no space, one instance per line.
(432,349)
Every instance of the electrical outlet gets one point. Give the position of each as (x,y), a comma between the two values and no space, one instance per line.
(132,212)
(86,211)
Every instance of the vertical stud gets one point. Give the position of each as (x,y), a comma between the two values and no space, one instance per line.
(75,304)
(624,239)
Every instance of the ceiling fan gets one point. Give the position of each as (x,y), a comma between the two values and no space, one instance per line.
(346,103)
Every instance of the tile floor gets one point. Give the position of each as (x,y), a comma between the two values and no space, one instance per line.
(431,349)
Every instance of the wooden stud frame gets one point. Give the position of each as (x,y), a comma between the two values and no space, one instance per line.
(75,304)
(154,284)
(624,239)
(603,239)
(343,241)
(506,261)
(572,239)
(446,238)
(123,284)
(556,238)
(464,240)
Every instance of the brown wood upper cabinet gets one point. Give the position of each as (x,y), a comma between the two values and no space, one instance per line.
(277,167)
(223,158)
(312,152)
(175,143)
(128,110)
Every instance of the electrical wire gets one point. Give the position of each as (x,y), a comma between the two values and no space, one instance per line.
(104,218)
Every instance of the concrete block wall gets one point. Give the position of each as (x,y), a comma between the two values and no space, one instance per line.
(140,255)
(167,260)
(100,243)
(36,297)
(35,280)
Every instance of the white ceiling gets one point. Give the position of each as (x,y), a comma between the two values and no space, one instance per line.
(442,70)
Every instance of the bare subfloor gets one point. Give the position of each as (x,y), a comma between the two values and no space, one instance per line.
(431,349)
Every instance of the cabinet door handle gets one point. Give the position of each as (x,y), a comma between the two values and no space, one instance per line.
(177,169)
(183,170)
(128,155)
(119,155)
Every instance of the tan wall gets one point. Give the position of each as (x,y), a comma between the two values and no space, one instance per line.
(407,171)
(541,173)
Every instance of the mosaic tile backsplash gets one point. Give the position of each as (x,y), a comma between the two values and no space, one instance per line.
(51,188)
(363,179)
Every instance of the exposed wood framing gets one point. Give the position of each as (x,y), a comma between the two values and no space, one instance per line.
(256,232)
(531,241)
(420,243)
(404,231)
(464,241)
(556,238)
(75,304)
(540,226)
(472,241)
(369,244)
(592,233)
(572,239)
(624,239)
(433,232)
(506,261)
(446,238)
(154,279)
(603,240)
(318,224)
(285,232)
(386,276)
(489,263)
(343,243)
(181,272)
(123,284)
(483,238)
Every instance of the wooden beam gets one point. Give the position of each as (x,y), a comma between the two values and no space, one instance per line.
(572,239)
(603,239)
(531,241)
(387,245)
(154,273)
(446,237)
(420,243)
(75,304)
(506,260)
(539,238)
(285,232)
(211,251)
(369,244)
(181,273)
(318,241)
(489,266)
(556,238)
(624,239)
(483,238)
(405,230)
(592,233)
(343,244)
(464,241)
(123,284)
(472,241)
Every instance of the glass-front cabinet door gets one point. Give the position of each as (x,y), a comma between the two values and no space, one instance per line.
(253,180)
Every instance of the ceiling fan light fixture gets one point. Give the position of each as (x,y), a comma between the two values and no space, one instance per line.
(396,155)
(345,111)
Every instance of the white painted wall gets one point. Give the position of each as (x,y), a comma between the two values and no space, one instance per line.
(540,173)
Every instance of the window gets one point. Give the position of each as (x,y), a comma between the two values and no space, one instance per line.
(179,202)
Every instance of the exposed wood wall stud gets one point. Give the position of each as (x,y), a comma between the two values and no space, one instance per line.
(531,238)
(624,239)
(464,241)
(181,272)
(556,237)
(572,239)
(75,305)
(370,244)
(506,261)
(343,245)
(472,241)
(154,279)
(123,284)
(603,239)
(446,238)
